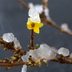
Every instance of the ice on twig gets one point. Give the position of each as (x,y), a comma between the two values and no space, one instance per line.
(34,15)
(17,43)
(24,68)
(8,37)
(65,27)
(46,52)
(31,5)
(31,53)
(43,52)
(25,58)
(71,55)
(63,51)
(46,11)
(40,9)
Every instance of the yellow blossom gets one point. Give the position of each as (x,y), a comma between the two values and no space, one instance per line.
(33,25)
(34,22)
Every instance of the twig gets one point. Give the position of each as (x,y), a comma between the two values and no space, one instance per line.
(10,46)
(45,3)
(53,24)
(60,59)
(7,45)
(11,64)
(45,20)
(63,60)
(31,46)
(23,4)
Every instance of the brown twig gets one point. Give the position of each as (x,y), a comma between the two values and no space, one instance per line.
(53,24)
(10,46)
(7,45)
(12,64)
(63,60)
(45,3)
(31,46)
(23,4)
(60,59)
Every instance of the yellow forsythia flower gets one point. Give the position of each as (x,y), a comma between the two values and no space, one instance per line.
(34,25)
(34,22)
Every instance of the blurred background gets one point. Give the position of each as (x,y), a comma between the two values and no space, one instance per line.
(13,19)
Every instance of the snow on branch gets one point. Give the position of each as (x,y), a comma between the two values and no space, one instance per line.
(33,57)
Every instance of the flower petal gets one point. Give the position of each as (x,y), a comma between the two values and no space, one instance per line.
(29,24)
(36,30)
(39,25)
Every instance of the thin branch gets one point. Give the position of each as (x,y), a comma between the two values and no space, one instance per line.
(23,4)
(59,58)
(63,60)
(32,46)
(45,3)
(7,45)
(53,24)
(10,46)
(44,19)
(2,64)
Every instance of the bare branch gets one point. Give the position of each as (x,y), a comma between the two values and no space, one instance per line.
(23,4)
(60,59)
(45,3)
(31,45)
(6,64)
(53,24)
(45,20)
(63,60)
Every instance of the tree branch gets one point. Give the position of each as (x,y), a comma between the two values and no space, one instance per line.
(10,46)
(24,4)
(59,58)
(53,24)
(6,64)
(31,45)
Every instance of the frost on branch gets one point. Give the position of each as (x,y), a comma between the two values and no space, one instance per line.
(24,68)
(65,27)
(40,9)
(47,53)
(17,43)
(63,51)
(34,15)
(9,38)
(44,52)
